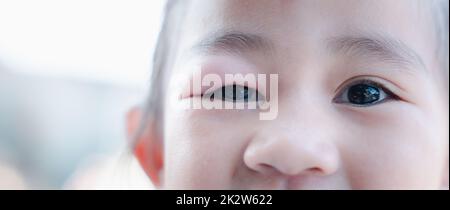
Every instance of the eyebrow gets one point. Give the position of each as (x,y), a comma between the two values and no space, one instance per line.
(233,42)
(375,46)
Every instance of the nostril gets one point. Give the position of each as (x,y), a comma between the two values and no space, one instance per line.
(267,169)
(314,170)
(265,166)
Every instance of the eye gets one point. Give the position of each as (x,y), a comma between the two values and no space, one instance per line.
(364,93)
(235,93)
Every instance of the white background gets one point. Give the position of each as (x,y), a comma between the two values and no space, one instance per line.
(103,40)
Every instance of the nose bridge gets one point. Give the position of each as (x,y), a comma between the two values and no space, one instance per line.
(297,142)
(305,111)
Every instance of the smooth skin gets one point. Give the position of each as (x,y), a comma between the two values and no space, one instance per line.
(318,140)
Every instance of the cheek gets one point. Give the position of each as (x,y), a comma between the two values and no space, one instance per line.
(393,146)
(202,148)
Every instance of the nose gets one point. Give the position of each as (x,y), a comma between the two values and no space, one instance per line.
(297,153)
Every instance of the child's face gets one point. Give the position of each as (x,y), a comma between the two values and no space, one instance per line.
(360,103)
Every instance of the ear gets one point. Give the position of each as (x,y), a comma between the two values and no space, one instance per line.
(148,147)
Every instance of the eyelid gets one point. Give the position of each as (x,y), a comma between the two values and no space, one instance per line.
(386,85)
(258,95)
(389,94)
(225,84)
(221,65)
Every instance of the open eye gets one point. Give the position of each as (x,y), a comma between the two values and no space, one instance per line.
(235,93)
(364,93)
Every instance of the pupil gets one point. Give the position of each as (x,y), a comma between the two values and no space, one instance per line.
(236,94)
(245,93)
(363,94)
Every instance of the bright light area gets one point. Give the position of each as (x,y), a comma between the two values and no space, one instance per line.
(107,41)
(69,72)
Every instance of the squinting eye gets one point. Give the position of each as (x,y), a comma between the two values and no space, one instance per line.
(235,93)
(364,93)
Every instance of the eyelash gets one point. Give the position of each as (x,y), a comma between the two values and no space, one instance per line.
(222,94)
(385,92)
(375,87)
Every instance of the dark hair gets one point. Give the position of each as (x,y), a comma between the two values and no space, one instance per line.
(167,39)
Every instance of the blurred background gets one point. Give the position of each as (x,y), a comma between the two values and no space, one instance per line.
(69,72)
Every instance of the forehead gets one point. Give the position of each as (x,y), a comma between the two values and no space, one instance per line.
(290,23)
